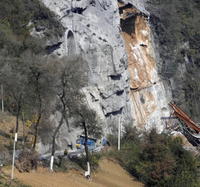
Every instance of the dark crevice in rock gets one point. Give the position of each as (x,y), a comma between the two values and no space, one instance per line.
(134,89)
(114,113)
(93,98)
(116,77)
(93,3)
(143,45)
(128,13)
(50,49)
(128,25)
(78,10)
(119,92)
(125,7)
(142,99)
(104,96)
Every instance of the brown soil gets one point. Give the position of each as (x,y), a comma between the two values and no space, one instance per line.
(109,174)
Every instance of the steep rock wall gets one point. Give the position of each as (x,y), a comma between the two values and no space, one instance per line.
(148,94)
(92,31)
(115,39)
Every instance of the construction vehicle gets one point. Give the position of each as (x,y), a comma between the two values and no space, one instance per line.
(189,128)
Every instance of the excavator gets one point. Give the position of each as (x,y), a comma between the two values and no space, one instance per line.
(190,129)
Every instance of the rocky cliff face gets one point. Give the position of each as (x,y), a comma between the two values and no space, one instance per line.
(148,95)
(94,28)
(115,38)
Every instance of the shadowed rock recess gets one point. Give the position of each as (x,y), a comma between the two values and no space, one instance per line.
(116,40)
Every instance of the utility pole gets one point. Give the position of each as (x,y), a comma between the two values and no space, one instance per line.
(119,134)
(2,101)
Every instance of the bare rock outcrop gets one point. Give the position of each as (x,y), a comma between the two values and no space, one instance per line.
(115,39)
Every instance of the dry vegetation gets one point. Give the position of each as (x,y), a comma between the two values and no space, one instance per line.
(109,174)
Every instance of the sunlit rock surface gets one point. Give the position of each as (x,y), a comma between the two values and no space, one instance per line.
(148,95)
(115,39)
(94,34)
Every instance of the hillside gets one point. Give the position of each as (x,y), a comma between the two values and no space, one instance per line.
(109,174)
(77,76)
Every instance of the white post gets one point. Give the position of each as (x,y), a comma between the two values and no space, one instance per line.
(13,159)
(2,101)
(88,167)
(119,134)
(87,173)
(23,128)
(51,163)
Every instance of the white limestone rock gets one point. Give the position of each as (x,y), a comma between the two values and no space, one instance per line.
(93,31)
(95,26)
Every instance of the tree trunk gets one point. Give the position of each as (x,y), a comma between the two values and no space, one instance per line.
(54,141)
(37,77)
(39,114)
(67,123)
(36,131)
(23,126)
(17,118)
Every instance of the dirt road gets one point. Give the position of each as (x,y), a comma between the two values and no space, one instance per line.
(109,174)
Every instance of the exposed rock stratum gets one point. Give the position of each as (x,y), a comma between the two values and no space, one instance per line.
(115,39)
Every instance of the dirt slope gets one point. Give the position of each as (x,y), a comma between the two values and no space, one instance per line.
(109,174)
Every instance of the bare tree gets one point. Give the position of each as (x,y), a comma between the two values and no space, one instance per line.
(91,126)
(40,88)
(71,78)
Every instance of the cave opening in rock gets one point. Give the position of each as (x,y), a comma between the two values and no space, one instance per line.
(119,92)
(125,7)
(115,77)
(114,113)
(128,24)
(71,46)
(78,10)
(51,48)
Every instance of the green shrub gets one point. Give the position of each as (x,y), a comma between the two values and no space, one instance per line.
(158,160)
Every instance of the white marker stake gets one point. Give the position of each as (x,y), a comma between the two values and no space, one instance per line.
(51,163)
(13,160)
(87,173)
(119,134)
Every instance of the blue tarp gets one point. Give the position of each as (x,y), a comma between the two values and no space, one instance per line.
(90,142)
